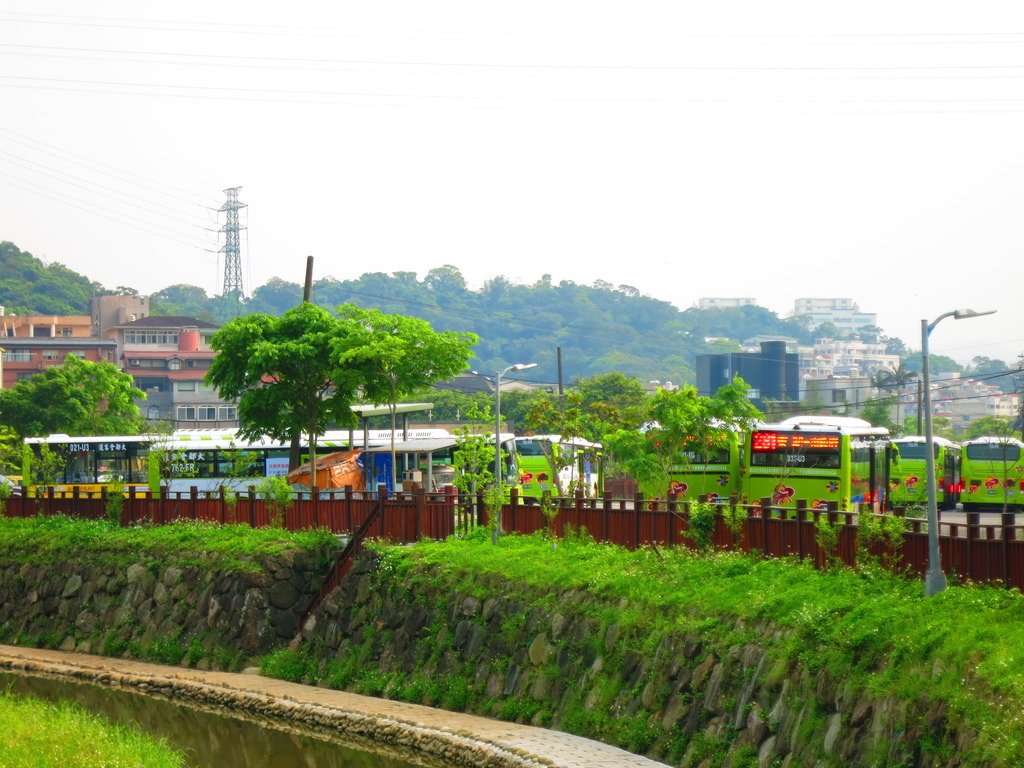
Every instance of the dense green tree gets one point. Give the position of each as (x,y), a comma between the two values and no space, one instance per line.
(878,411)
(613,401)
(180,299)
(284,374)
(682,423)
(77,397)
(397,355)
(989,426)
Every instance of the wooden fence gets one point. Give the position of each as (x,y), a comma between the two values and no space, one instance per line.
(990,552)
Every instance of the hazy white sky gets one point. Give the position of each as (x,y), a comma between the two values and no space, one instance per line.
(780,150)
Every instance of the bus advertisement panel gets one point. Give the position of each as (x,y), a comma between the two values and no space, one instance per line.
(712,472)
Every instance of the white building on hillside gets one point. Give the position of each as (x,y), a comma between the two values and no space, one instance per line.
(844,314)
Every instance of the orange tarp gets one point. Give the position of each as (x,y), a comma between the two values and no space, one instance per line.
(335,470)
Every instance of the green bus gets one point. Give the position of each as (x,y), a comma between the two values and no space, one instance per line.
(908,472)
(713,472)
(537,455)
(817,459)
(992,473)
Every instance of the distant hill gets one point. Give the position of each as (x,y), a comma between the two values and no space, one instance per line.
(28,286)
(600,328)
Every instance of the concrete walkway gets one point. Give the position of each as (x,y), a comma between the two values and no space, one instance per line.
(442,735)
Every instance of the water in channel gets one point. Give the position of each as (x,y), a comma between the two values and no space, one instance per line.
(208,739)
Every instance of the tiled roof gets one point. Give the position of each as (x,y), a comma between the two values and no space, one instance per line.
(167,354)
(168,321)
(193,374)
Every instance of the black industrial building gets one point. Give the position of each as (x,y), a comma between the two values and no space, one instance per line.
(773,374)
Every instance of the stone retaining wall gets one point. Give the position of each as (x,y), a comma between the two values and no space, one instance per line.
(215,618)
(683,699)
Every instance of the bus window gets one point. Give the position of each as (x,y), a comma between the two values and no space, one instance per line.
(995,452)
(79,466)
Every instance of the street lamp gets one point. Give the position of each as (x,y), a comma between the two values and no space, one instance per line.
(934,578)
(498,475)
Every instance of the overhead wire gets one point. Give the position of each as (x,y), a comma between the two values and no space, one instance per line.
(274,62)
(26,165)
(780,38)
(52,150)
(148,230)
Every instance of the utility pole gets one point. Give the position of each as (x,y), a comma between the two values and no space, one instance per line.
(561,391)
(232,250)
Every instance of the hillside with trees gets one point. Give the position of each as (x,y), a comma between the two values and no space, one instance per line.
(600,328)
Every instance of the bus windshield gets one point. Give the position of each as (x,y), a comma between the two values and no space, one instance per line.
(916,450)
(995,452)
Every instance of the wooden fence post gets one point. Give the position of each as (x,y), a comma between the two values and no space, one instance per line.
(420,496)
(673,510)
(766,510)
(638,504)
(382,495)
(607,500)
(252,506)
(1009,519)
(512,522)
(973,521)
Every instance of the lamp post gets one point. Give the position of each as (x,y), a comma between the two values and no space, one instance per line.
(934,578)
(498,475)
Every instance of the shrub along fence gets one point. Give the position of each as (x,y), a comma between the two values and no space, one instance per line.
(991,552)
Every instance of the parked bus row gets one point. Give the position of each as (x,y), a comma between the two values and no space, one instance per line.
(209,459)
(822,459)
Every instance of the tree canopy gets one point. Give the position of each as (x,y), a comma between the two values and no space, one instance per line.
(78,397)
(283,373)
(394,356)
(682,424)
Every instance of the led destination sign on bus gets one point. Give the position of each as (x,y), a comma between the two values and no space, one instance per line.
(767,442)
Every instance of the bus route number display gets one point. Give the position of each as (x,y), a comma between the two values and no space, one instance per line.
(773,442)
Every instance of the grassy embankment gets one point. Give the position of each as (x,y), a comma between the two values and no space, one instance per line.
(37,734)
(55,541)
(59,539)
(866,629)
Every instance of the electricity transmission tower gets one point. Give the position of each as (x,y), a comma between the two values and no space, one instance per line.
(231,250)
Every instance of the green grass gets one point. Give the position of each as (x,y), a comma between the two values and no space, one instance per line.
(45,540)
(869,629)
(37,734)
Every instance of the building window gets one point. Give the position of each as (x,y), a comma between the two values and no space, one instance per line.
(80,353)
(150,337)
(186,413)
(66,332)
(153,412)
(207,413)
(228,413)
(17,356)
(185,386)
(51,354)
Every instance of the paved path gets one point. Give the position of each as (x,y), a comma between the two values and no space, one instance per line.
(479,740)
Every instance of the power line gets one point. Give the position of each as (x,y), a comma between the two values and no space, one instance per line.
(270,62)
(780,38)
(12,179)
(24,140)
(26,164)
(199,91)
